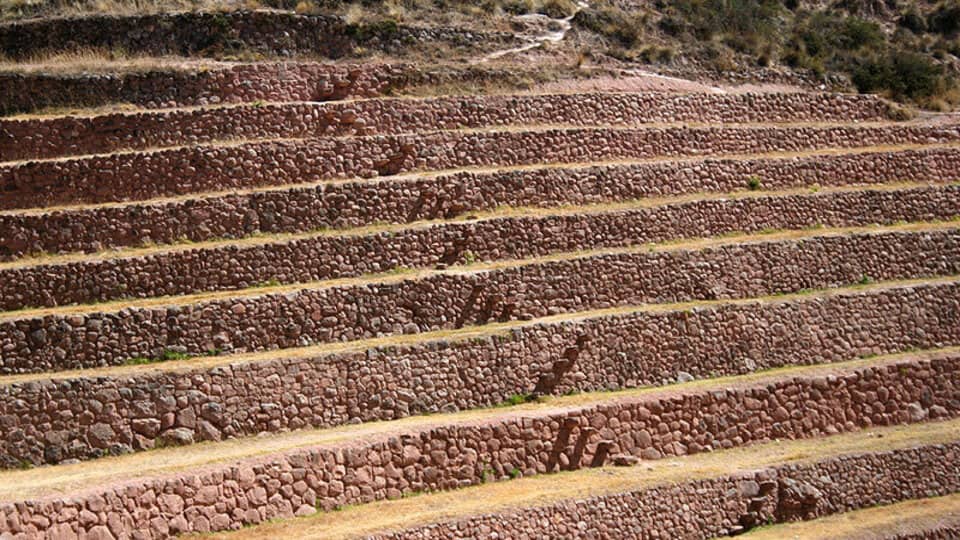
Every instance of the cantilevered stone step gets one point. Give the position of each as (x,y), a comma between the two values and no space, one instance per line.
(86,414)
(505,233)
(407,303)
(44,137)
(145,175)
(413,197)
(246,481)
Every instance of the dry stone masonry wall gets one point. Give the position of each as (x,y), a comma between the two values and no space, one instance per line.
(212,34)
(354,204)
(49,421)
(452,300)
(323,257)
(142,175)
(52,137)
(939,531)
(451,213)
(220,84)
(725,506)
(445,457)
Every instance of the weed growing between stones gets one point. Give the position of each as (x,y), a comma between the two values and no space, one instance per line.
(168,355)
(519,399)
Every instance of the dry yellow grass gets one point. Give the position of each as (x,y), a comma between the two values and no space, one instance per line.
(103,61)
(34,483)
(536,491)
(461,334)
(11,9)
(402,274)
(869,524)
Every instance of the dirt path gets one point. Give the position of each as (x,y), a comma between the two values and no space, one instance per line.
(553,31)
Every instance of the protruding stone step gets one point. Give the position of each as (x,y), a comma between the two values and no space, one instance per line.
(145,175)
(86,414)
(236,483)
(42,137)
(409,198)
(504,234)
(283,317)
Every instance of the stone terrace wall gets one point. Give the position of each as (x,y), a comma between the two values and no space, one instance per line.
(451,300)
(235,267)
(45,137)
(719,507)
(448,456)
(177,171)
(51,421)
(946,531)
(212,34)
(363,203)
(229,84)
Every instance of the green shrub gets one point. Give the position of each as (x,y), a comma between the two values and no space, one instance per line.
(708,18)
(557,9)
(624,28)
(858,33)
(366,31)
(945,19)
(902,74)
(913,21)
